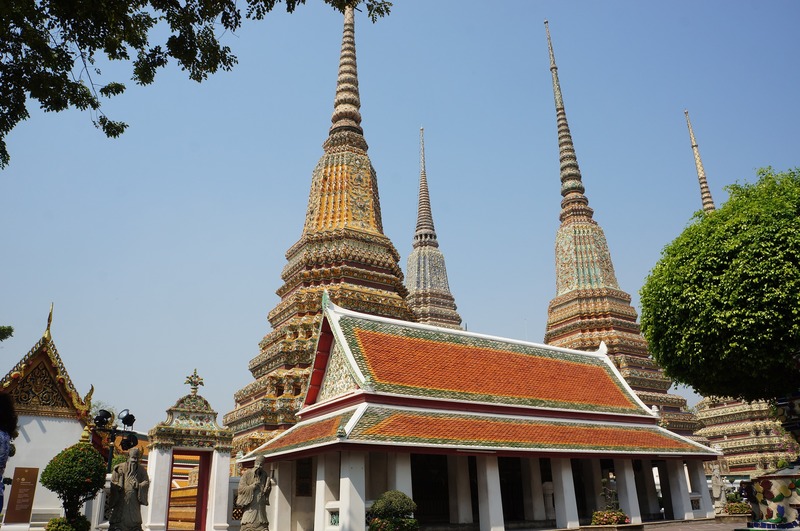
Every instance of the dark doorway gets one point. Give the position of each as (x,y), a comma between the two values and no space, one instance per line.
(429,483)
(511,488)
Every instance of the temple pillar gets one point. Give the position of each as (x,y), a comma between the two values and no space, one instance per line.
(564,494)
(697,476)
(281,499)
(679,490)
(352,491)
(626,489)
(490,502)
(217,519)
(327,478)
(459,489)
(399,473)
(532,491)
(159,470)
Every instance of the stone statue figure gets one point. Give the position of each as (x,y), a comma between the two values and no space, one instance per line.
(254,489)
(129,485)
(717,489)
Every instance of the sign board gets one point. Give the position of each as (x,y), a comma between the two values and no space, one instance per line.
(20,502)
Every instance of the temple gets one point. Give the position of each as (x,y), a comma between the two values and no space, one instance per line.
(426,275)
(342,250)
(476,429)
(705,191)
(589,307)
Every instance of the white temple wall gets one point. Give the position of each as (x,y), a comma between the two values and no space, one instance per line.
(40,439)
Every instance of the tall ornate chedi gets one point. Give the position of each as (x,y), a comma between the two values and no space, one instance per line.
(705,192)
(751,440)
(342,250)
(428,289)
(589,307)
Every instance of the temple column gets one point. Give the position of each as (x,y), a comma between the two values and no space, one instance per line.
(626,489)
(159,469)
(352,491)
(217,519)
(532,492)
(459,489)
(281,499)
(399,473)
(325,492)
(490,502)
(679,490)
(700,485)
(564,494)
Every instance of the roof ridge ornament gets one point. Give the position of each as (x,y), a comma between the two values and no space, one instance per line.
(46,334)
(194,381)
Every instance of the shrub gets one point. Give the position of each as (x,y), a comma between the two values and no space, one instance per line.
(392,511)
(62,524)
(610,517)
(738,508)
(76,475)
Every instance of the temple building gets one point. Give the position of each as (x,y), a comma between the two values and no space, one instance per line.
(476,429)
(342,250)
(589,307)
(751,440)
(426,275)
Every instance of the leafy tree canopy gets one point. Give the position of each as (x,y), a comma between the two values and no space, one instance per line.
(76,475)
(6,332)
(721,308)
(48,48)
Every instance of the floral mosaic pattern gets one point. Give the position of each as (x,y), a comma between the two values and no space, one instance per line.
(338,379)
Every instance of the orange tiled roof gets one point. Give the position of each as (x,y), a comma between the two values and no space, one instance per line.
(381,425)
(438,363)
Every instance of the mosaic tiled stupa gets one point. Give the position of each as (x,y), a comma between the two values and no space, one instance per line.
(342,250)
(589,307)
(429,293)
(752,441)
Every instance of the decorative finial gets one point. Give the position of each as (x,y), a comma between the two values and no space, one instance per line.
(574,202)
(346,120)
(425,233)
(194,381)
(47,335)
(705,192)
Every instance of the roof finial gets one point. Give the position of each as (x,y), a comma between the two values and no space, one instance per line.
(425,233)
(346,119)
(705,192)
(574,202)
(194,381)
(46,334)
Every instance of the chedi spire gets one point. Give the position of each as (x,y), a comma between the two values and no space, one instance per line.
(705,192)
(428,288)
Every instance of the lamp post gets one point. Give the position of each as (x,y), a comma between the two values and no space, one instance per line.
(104,423)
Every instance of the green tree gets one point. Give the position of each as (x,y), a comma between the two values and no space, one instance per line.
(48,48)
(721,308)
(76,475)
(6,332)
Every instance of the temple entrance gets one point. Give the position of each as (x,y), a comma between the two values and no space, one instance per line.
(188,493)
(430,487)
(511,488)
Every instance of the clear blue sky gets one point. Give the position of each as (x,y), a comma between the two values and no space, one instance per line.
(162,250)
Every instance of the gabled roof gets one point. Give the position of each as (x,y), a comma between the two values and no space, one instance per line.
(379,382)
(391,357)
(41,386)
